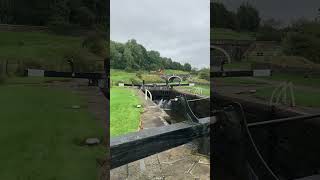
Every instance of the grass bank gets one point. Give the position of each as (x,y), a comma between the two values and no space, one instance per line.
(124,115)
(302,97)
(39,133)
(42,49)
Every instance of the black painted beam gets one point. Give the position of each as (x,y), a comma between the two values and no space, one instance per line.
(75,75)
(157,85)
(231,74)
(276,122)
(138,145)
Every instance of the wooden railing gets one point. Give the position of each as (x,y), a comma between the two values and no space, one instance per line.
(138,145)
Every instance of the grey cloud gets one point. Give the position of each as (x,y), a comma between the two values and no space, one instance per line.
(179,29)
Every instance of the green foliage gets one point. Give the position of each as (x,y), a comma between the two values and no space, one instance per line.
(303,40)
(42,12)
(96,42)
(84,16)
(133,56)
(246,18)
(268,33)
(221,17)
(187,67)
(204,74)
(139,74)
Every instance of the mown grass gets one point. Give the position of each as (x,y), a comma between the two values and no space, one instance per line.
(117,76)
(171,71)
(297,79)
(39,132)
(34,80)
(44,48)
(124,115)
(238,81)
(152,78)
(302,97)
(35,45)
(194,89)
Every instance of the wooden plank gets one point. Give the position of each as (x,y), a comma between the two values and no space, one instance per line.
(138,145)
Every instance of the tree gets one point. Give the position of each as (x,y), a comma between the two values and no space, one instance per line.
(204,73)
(84,16)
(221,17)
(248,17)
(134,56)
(187,67)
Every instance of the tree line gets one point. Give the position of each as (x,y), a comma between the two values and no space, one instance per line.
(299,38)
(46,12)
(246,18)
(134,56)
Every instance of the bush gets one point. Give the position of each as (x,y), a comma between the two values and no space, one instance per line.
(204,74)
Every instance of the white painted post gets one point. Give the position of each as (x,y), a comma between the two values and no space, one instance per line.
(146,94)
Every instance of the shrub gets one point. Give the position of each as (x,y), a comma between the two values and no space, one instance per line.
(204,74)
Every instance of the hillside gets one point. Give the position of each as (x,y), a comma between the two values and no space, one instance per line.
(42,49)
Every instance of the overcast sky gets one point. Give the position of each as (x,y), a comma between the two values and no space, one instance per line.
(284,10)
(178,29)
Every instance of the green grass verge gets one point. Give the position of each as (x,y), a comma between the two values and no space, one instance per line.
(152,78)
(38,131)
(48,50)
(34,80)
(122,76)
(193,89)
(297,79)
(171,71)
(124,115)
(238,81)
(302,97)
